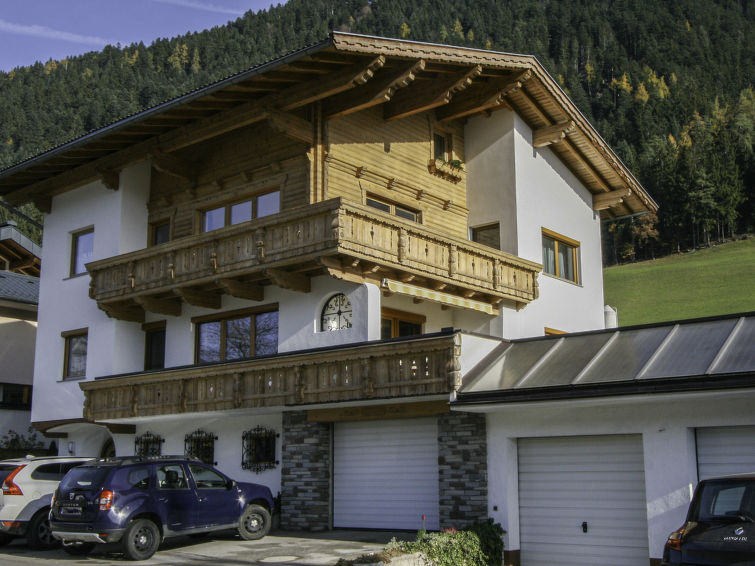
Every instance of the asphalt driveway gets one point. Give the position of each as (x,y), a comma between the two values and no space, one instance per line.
(300,549)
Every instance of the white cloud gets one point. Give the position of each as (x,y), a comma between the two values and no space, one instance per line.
(49,33)
(206,6)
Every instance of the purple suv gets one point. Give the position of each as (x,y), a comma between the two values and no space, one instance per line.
(140,501)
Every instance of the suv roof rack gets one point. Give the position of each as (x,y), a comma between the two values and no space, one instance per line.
(127,460)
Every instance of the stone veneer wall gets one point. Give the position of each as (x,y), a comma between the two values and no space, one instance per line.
(305,476)
(462,468)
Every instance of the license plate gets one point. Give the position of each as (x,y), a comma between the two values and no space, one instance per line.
(70,510)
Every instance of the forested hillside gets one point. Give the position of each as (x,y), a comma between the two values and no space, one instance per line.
(668,84)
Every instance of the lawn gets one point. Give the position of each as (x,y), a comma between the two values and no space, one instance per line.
(712,281)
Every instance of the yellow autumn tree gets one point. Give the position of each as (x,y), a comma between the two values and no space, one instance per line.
(641,94)
(404,30)
(622,84)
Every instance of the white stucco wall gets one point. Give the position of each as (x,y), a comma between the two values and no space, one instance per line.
(527,189)
(17,341)
(666,423)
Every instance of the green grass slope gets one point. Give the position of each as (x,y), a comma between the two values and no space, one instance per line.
(713,281)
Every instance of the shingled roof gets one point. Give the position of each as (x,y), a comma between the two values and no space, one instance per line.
(18,288)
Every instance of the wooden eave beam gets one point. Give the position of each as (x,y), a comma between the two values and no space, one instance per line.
(111,178)
(556,133)
(198,298)
(130,313)
(580,157)
(289,280)
(205,128)
(159,306)
(241,290)
(605,201)
(489,96)
(410,102)
(379,91)
(174,166)
(292,126)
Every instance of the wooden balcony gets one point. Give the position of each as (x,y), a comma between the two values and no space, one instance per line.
(423,365)
(344,240)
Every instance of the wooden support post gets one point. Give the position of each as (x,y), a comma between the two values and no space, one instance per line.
(241,290)
(160,306)
(552,134)
(198,298)
(289,280)
(607,200)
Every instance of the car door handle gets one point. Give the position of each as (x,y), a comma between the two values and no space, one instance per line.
(202,499)
(584,526)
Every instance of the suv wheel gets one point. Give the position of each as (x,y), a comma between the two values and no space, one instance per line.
(141,540)
(254,522)
(39,536)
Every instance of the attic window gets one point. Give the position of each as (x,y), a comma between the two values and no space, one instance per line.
(442,146)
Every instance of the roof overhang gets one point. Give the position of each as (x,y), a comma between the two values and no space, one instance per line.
(404,76)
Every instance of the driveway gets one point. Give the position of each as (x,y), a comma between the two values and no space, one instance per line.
(299,549)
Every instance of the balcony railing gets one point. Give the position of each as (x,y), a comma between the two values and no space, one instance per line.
(382,370)
(351,241)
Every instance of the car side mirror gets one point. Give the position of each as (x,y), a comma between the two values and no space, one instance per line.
(231,484)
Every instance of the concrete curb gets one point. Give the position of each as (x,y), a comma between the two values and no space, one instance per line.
(414,559)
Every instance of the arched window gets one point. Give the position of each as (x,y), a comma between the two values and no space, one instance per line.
(336,314)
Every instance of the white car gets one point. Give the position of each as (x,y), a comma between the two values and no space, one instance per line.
(27,487)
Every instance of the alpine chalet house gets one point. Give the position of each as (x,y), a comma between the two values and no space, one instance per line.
(290,271)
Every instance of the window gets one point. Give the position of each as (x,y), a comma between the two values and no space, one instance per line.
(395,324)
(201,445)
(154,346)
(148,444)
(488,235)
(560,256)
(442,146)
(236,212)
(171,476)
(82,247)
(205,478)
(336,313)
(75,362)
(258,449)
(15,396)
(159,232)
(240,334)
(392,208)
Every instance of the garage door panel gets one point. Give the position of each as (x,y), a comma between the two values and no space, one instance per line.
(564,481)
(385,474)
(724,451)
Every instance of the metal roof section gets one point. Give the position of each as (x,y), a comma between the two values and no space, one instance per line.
(19,288)
(711,353)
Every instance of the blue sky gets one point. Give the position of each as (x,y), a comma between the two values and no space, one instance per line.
(39,30)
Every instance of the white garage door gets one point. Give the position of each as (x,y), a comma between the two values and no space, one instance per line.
(598,481)
(725,450)
(385,474)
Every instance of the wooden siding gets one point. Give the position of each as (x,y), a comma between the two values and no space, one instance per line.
(371,371)
(396,154)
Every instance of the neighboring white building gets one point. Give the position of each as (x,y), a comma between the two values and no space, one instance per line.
(19,294)
(289,272)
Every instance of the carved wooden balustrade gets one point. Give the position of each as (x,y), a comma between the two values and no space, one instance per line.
(346,240)
(414,366)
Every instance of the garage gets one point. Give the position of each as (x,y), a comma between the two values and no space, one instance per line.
(385,474)
(725,450)
(582,501)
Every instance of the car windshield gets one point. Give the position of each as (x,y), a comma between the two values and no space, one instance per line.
(84,478)
(726,500)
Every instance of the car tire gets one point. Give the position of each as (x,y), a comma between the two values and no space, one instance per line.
(79,548)
(254,522)
(39,536)
(5,539)
(141,540)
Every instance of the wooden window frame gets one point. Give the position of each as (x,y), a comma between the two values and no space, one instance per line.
(397,316)
(75,249)
(574,244)
(67,335)
(148,327)
(392,204)
(224,317)
(447,154)
(228,204)
(153,230)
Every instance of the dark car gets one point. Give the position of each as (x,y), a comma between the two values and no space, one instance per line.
(139,501)
(720,526)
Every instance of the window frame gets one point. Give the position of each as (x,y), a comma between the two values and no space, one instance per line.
(446,152)
(75,249)
(227,205)
(473,230)
(25,390)
(154,226)
(223,318)
(564,240)
(259,448)
(148,328)
(397,316)
(392,208)
(67,336)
